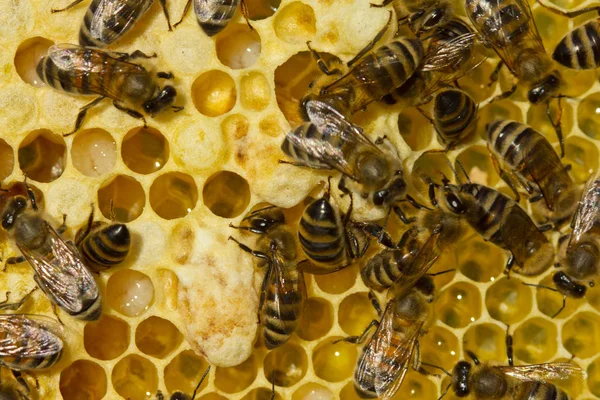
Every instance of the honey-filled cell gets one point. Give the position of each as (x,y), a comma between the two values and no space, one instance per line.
(429,166)
(593,377)
(262,394)
(355,313)
(94,152)
(580,334)
(551,26)
(214,93)
(226,194)
(82,379)
(295,23)
(579,81)
(238,46)
(129,292)
(416,386)
(334,362)
(312,391)
(316,320)
(107,338)
(476,82)
(582,156)
(339,281)
(508,300)
(144,150)
(440,347)
(261,9)
(534,341)
(43,155)
(135,378)
(7,160)
(415,129)
(27,57)
(235,379)
(459,305)
(157,337)
(550,302)
(122,197)
(286,365)
(478,164)
(537,118)
(184,372)
(173,195)
(487,341)
(480,260)
(588,115)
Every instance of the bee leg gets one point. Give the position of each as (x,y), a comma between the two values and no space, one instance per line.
(556,125)
(165,75)
(296,164)
(536,198)
(185,11)
(441,272)
(504,95)
(564,302)
(568,14)
(509,265)
(73,4)
(495,73)
(372,43)
(129,111)
(245,13)
(398,211)
(88,227)
(82,113)
(163,4)
(416,204)
(504,176)
(385,3)
(509,347)
(258,254)
(5,305)
(200,383)
(322,64)
(55,311)
(424,114)
(63,227)
(361,338)
(19,378)
(375,303)
(13,260)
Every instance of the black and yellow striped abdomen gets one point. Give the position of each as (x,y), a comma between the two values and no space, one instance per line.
(321,235)
(105,246)
(537,390)
(580,48)
(454,115)
(293,147)
(214,15)
(487,210)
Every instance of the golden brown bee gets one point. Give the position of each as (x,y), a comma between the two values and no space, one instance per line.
(103,245)
(214,15)
(421,15)
(331,141)
(532,161)
(59,270)
(509,28)
(498,219)
(454,116)
(283,289)
(106,21)
(89,71)
(388,354)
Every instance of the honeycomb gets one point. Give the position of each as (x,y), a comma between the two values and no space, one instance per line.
(186,297)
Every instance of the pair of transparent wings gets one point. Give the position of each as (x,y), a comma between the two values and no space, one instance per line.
(588,213)
(29,336)
(542,372)
(62,274)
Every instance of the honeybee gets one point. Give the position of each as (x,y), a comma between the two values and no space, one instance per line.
(330,141)
(498,219)
(214,15)
(579,48)
(178,395)
(484,381)
(421,15)
(283,289)
(509,28)
(535,165)
(106,21)
(89,71)
(103,245)
(59,270)
(387,355)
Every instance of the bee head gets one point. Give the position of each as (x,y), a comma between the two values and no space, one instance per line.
(568,286)
(163,99)
(394,191)
(422,21)
(460,379)
(453,199)
(546,89)
(16,206)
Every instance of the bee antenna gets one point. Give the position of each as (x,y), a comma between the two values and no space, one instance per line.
(437,367)
(200,383)
(328,191)
(463,170)
(473,357)
(454,172)
(445,391)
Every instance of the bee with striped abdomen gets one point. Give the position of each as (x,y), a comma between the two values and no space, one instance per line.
(388,354)
(510,29)
(498,219)
(532,162)
(283,290)
(89,71)
(454,116)
(103,245)
(421,15)
(59,270)
(106,21)
(214,15)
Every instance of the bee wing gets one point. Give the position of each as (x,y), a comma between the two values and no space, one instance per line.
(286,288)
(114,17)
(506,26)
(28,336)
(62,275)
(78,62)
(588,212)
(424,259)
(543,372)
(455,54)
(519,245)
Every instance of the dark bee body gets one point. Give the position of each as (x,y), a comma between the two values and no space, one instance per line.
(106,21)
(89,71)
(422,15)
(283,290)
(535,165)
(214,15)
(454,116)
(59,270)
(580,48)
(103,245)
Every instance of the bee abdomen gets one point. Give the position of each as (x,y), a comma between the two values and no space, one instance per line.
(90,311)
(295,152)
(321,233)
(382,271)
(491,209)
(537,390)
(580,48)
(279,322)
(454,113)
(106,247)
(86,37)
(213,16)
